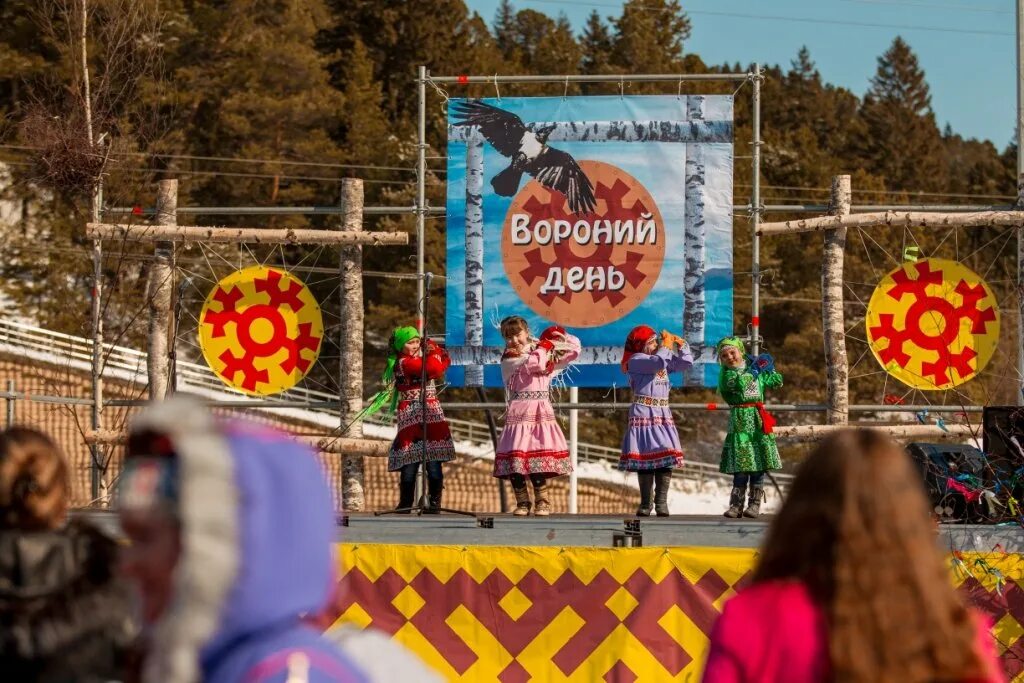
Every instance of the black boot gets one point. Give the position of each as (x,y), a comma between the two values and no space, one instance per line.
(736,502)
(646,480)
(754,501)
(434,489)
(406,493)
(662,481)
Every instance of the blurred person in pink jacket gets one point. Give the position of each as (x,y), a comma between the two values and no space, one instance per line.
(851,585)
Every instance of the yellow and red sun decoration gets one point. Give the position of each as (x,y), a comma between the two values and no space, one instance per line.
(933,324)
(261,330)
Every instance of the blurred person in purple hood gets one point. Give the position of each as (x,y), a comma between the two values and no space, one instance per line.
(231,532)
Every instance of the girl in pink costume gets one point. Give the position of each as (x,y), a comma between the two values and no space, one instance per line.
(532,444)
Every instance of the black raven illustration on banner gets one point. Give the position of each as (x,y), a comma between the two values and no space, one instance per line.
(530,153)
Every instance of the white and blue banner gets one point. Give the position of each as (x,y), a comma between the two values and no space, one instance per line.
(594,213)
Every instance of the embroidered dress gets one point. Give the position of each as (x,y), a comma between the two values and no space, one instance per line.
(407,447)
(531,441)
(749,446)
(651,440)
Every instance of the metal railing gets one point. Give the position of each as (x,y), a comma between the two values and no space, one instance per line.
(130,364)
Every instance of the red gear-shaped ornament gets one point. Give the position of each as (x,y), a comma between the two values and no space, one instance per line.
(554,208)
(937,308)
(245,319)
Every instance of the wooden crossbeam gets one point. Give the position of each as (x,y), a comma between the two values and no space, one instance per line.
(896,219)
(196,233)
(374,448)
(815,432)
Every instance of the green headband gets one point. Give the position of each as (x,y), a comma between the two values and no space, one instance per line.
(399,338)
(734,342)
(402,336)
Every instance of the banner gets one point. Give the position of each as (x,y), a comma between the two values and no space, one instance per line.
(594,213)
(486,613)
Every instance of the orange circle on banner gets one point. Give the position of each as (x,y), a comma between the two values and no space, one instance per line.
(590,269)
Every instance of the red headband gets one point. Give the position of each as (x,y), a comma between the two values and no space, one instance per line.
(636,341)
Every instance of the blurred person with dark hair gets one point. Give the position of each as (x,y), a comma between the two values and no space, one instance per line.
(63,614)
(850,585)
(232,533)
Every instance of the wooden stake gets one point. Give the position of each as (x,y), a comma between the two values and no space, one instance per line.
(815,432)
(374,448)
(894,219)
(158,291)
(350,380)
(833,322)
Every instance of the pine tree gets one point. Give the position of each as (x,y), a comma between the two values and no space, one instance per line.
(506,29)
(400,39)
(901,141)
(596,46)
(544,46)
(368,137)
(22,54)
(803,67)
(261,90)
(649,36)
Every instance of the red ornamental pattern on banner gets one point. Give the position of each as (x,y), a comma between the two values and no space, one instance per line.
(584,270)
(588,614)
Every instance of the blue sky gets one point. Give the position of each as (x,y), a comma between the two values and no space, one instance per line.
(966,47)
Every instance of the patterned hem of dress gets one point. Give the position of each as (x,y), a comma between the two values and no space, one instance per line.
(438,450)
(396,463)
(554,466)
(560,453)
(748,470)
(631,465)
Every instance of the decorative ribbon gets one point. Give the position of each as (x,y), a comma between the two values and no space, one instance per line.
(414,394)
(767,419)
(969,495)
(650,401)
(530,396)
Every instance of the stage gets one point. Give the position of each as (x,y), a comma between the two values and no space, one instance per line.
(599,531)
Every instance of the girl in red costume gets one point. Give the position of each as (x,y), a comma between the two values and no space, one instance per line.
(403,377)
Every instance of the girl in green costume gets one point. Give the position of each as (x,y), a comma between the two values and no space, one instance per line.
(749,449)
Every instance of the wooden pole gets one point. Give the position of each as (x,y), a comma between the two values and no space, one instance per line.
(374,448)
(98,467)
(350,343)
(1020,202)
(931,432)
(897,219)
(158,291)
(833,322)
(194,233)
